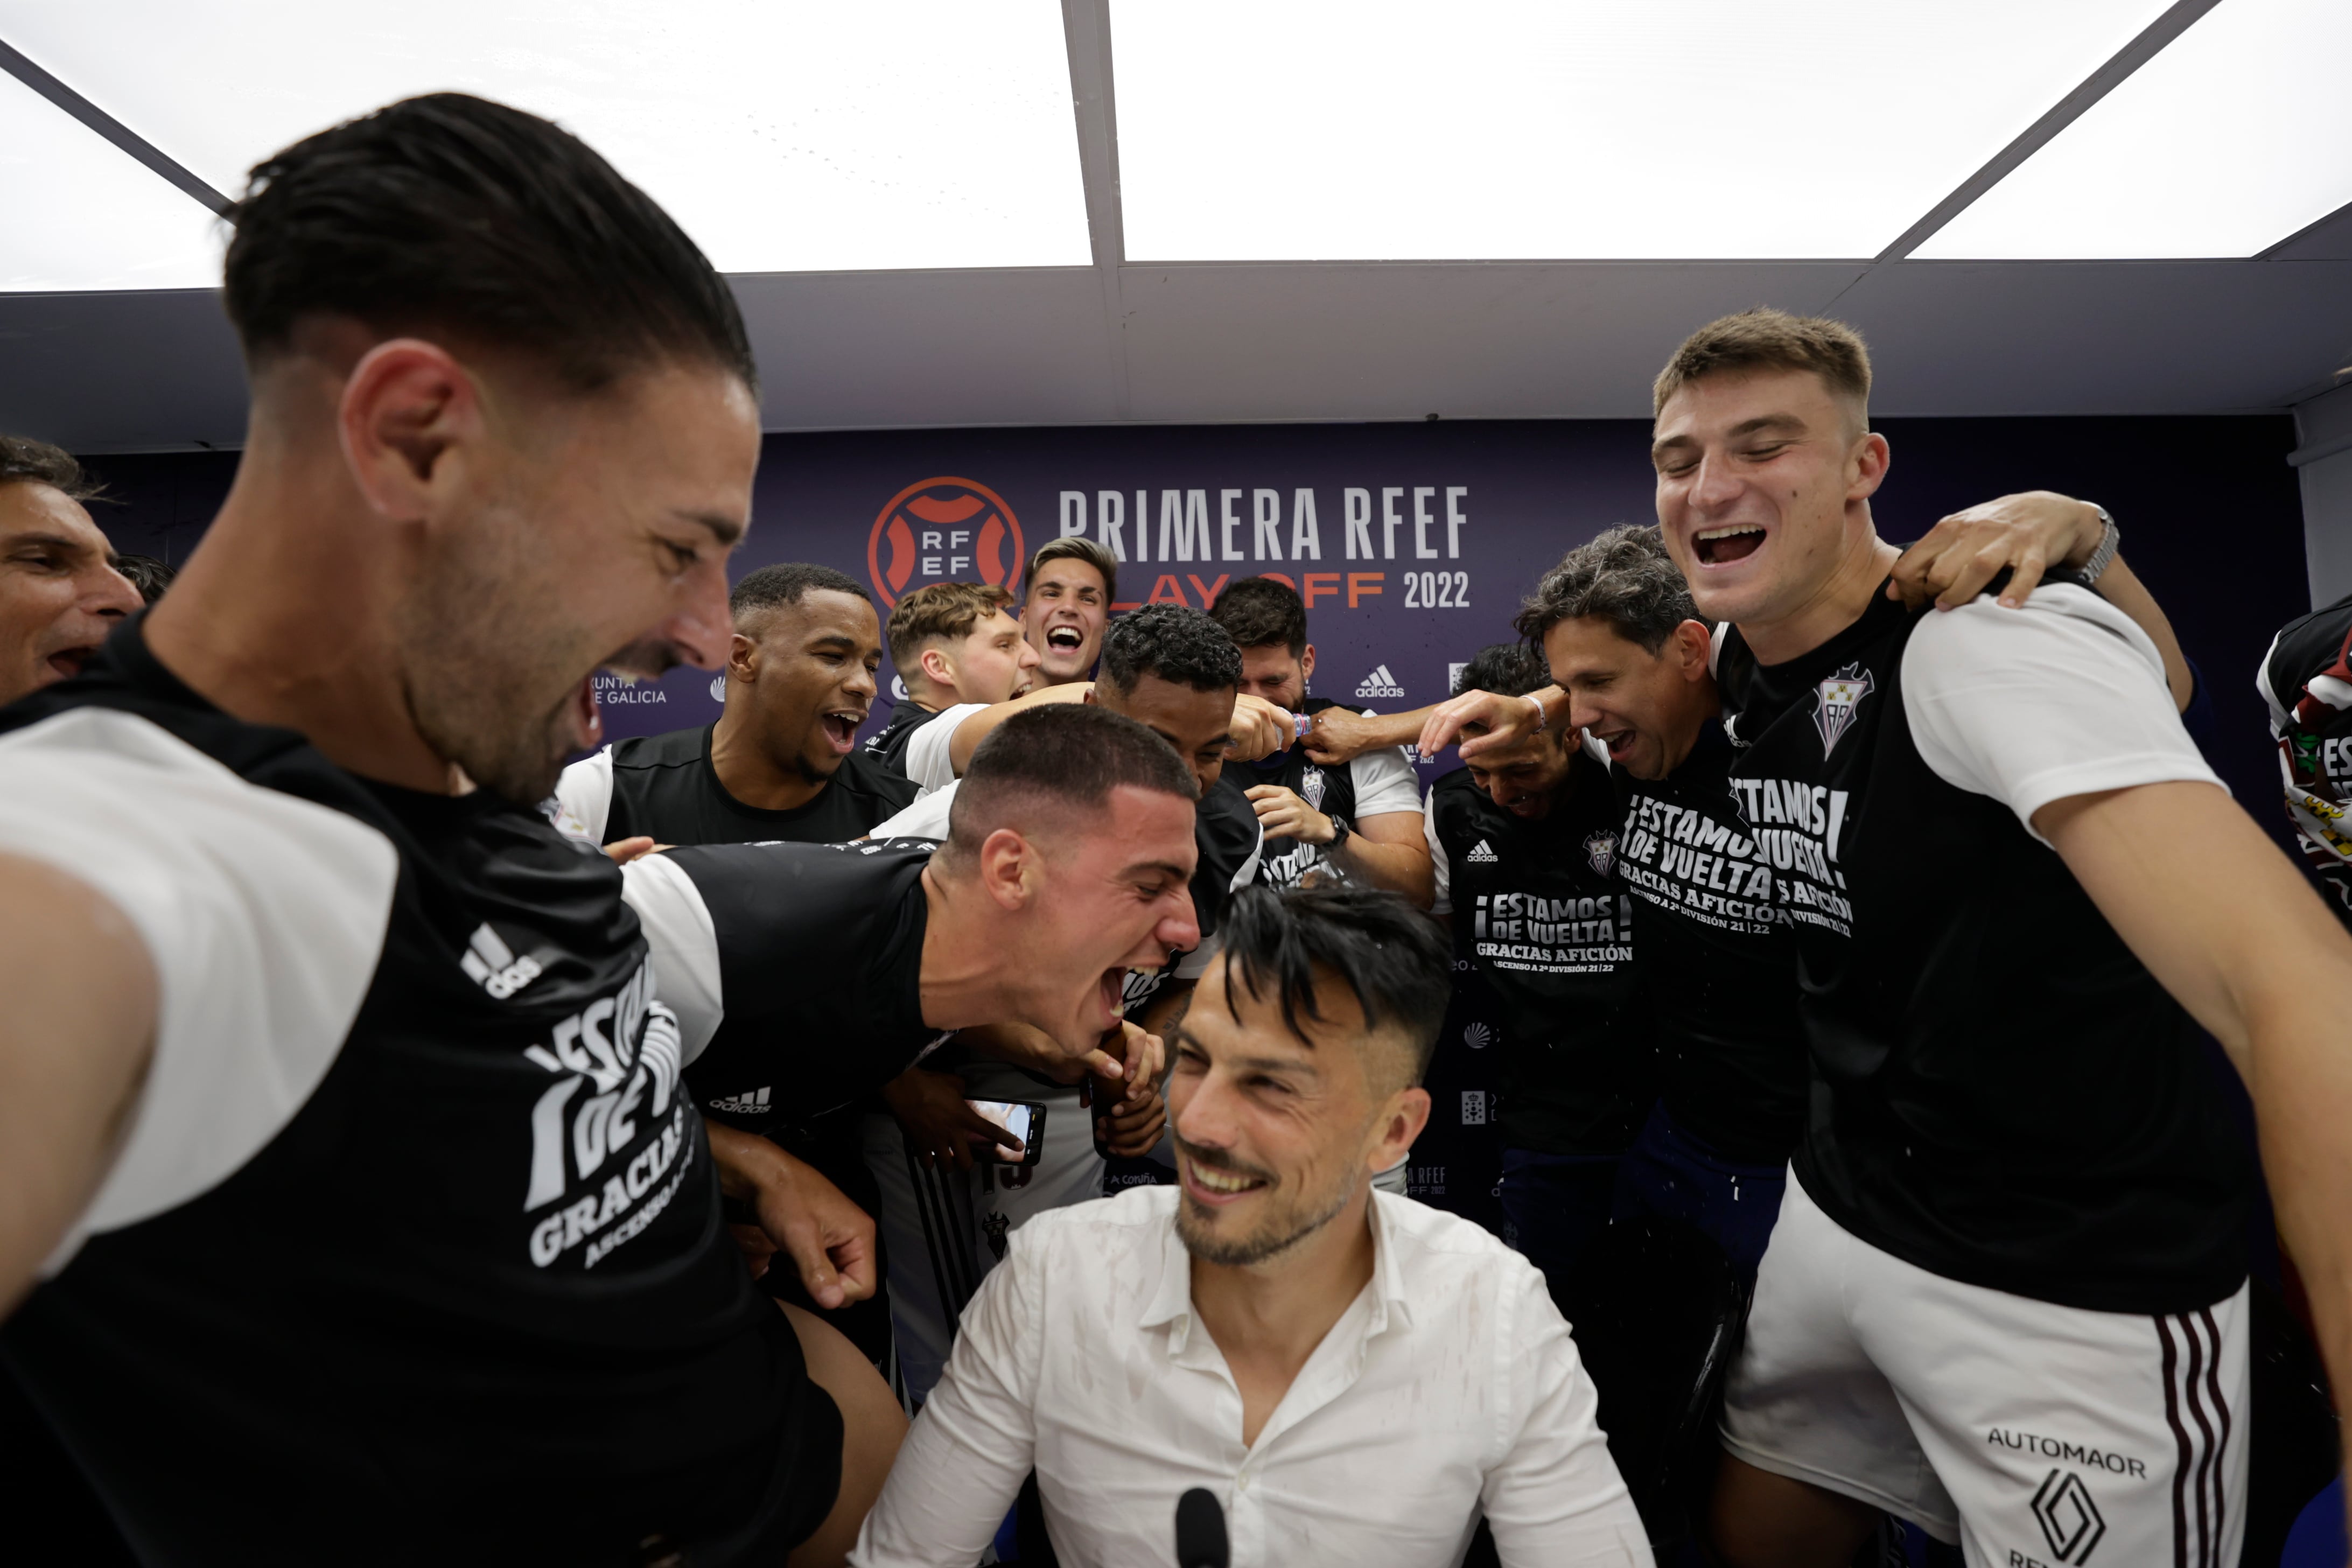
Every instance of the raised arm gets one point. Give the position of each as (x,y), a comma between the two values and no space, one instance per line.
(75,1040)
(979,726)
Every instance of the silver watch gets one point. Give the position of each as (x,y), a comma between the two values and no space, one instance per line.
(2110,540)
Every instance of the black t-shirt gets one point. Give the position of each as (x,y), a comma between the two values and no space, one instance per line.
(887,745)
(1539,917)
(2002,1094)
(470,1299)
(2308,680)
(819,957)
(1285,862)
(1716,961)
(665,785)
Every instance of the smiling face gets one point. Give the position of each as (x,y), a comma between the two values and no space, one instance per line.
(1277,1135)
(575,532)
(801,677)
(1113,893)
(1764,481)
(1196,724)
(1064,617)
(1525,777)
(58,597)
(993,663)
(1646,708)
(1272,672)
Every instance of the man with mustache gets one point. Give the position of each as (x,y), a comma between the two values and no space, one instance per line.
(1354,1376)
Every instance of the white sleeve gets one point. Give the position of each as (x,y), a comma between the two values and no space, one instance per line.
(929,761)
(926,819)
(2061,697)
(2281,709)
(962,1463)
(1444,904)
(1385,783)
(1248,872)
(583,797)
(264,916)
(1554,1496)
(685,948)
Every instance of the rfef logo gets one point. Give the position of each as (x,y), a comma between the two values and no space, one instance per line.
(943,531)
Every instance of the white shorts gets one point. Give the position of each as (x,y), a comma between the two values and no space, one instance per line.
(2033,1435)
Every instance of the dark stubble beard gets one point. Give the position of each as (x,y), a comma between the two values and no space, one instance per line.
(1282,1233)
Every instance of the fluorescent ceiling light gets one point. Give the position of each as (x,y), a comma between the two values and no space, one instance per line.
(1524,129)
(85,216)
(2231,139)
(783,137)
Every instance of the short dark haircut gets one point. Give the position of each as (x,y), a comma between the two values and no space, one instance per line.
(940,612)
(1054,763)
(146,574)
(22,458)
(773,587)
(1075,547)
(1393,958)
(454,214)
(1258,611)
(1506,668)
(1766,339)
(1175,642)
(1625,577)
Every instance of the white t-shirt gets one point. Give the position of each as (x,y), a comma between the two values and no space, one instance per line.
(929,761)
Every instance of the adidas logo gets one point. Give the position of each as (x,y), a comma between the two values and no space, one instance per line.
(750,1104)
(1380,683)
(1482,855)
(493,965)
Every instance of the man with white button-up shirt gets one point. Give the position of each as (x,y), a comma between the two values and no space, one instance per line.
(1355,1377)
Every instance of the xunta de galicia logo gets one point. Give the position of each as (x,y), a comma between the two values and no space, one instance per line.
(943,531)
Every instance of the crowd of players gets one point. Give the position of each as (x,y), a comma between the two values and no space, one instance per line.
(418,1147)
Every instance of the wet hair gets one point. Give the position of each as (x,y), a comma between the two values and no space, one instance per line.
(22,458)
(1625,577)
(1258,611)
(1395,960)
(1175,642)
(1075,547)
(146,574)
(939,612)
(1506,668)
(452,214)
(773,587)
(1053,763)
(1766,339)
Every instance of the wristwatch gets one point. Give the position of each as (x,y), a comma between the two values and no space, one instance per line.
(2110,540)
(1340,831)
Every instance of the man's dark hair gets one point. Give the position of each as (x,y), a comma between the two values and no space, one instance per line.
(450,212)
(1393,957)
(22,458)
(146,574)
(1176,643)
(1258,611)
(1506,668)
(773,587)
(1053,763)
(1625,577)
(1073,547)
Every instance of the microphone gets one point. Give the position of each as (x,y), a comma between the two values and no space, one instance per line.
(1199,1531)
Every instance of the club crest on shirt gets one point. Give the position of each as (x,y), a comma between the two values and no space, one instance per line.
(1600,850)
(1840,695)
(1311,786)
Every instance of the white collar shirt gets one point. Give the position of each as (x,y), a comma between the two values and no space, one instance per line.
(1449,1388)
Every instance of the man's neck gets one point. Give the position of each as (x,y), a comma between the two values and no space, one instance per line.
(1270,1316)
(751,773)
(965,978)
(1704,704)
(1842,597)
(289,625)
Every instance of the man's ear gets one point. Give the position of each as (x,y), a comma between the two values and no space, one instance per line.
(408,414)
(937,667)
(1093,691)
(1400,1126)
(1693,648)
(743,659)
(1011,871)
(1871,458)
(1306,665)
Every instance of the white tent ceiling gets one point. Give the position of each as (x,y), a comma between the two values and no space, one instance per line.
(943,215)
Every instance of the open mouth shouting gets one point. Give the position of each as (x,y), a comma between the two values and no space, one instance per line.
(67,662)
(1732,541)
(1064,640)
(841,729)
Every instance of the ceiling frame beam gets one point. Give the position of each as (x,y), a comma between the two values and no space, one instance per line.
(16,64)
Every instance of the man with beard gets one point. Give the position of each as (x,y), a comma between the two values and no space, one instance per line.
(1356,1378)
(306,999)
(1523,840)
(1359,820)
(1072,584)
(957,651)
(59,594)
(782,760)
(2015,1226)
